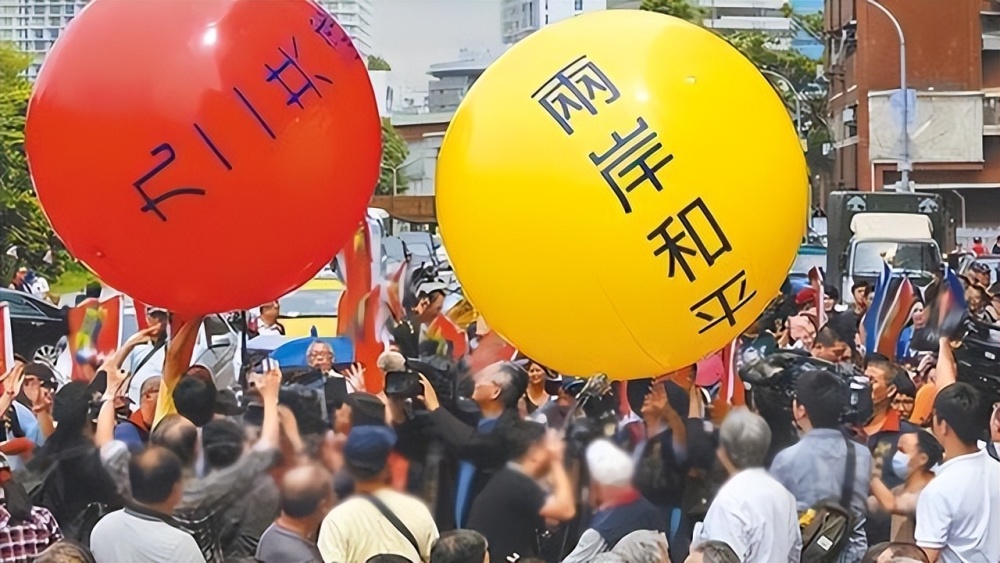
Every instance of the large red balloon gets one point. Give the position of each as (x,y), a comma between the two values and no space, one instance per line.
(204,155)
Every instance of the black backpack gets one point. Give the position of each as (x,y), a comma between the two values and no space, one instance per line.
(828,524)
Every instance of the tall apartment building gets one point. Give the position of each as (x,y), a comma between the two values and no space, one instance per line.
(953,124)
(521,18)
(357,19)
(34,25)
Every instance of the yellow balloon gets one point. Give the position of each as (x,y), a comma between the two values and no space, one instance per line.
(622,192)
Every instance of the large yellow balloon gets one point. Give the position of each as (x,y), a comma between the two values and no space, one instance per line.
(622,192)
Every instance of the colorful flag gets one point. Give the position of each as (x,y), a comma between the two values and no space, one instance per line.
(6,340)
(491,349)
(95,332)
(897,315)
(354,262)
(395,287)
(816,281)
(449,336)
(872,320)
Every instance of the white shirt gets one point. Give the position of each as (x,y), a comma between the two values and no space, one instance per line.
(40,288)
(756,516)
(137,538)
(152,368)
(355,530)
(959,511)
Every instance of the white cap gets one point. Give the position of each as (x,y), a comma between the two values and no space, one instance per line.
(609,465)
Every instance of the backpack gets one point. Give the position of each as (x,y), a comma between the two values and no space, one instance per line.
(44,488)
(827,525)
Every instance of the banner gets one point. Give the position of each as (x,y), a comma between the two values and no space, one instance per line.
(6,340)
(95,332)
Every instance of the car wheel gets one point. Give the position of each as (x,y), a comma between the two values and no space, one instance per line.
(46,353)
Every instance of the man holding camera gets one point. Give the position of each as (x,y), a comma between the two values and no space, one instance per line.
(814,469)
(409,332)
(481,449)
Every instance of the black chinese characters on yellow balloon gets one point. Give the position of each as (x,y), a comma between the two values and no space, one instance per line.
(622,192)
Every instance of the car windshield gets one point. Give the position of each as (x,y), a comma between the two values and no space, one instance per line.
(311,303)
(805,262)
(419,250)
(908,256)
(394,249)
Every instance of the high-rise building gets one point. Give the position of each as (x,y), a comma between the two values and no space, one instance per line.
(521,18)
(357,19)
(34,25)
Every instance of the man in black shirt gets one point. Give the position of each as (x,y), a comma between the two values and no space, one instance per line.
(512,507)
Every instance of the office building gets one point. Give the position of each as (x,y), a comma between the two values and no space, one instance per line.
(521,18)
(357,19)
(34,25)
(453,79)
(952,116)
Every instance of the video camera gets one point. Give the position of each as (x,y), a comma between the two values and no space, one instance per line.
(772,383)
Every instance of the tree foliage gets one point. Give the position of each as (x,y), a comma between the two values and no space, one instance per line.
(678,8)
(22,223)
(765,51)
(376,62)
(394,153)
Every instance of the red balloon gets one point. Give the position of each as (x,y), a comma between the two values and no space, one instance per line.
(204,155)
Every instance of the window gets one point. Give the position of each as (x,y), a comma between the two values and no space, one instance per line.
(38,33)
(578,5)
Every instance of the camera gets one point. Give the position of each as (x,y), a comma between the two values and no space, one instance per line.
(772,384)
(403,385)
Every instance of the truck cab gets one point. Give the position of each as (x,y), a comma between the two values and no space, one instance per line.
(905,230)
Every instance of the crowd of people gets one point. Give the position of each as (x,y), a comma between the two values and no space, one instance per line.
(857,457)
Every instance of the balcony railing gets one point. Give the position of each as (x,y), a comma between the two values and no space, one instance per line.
(742,4)
(740,23)
(991,114)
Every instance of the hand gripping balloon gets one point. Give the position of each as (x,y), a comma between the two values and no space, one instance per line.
(204,156)
(621,192)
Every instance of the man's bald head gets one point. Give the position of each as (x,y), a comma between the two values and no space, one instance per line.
(304,490)
(178,435)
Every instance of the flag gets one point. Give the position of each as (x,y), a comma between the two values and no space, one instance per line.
(354,262)
(816,281)
(395,287)
(871,320)
(463,314)
(448,335)
(897,315)
(950,306)
(95,332)
(6,340)
(367,346)
(492,349)
(12,251)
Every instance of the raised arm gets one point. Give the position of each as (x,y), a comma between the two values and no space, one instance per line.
(179,352)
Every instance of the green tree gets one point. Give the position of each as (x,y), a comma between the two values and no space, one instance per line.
(22,223)
(394,153)
(677,8)
(762,50)
(376,62)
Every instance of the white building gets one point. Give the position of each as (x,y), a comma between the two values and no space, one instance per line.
(34,25)
(521,18)
(357,19)
(733,15)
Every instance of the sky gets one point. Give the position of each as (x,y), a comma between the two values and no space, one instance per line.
(414,34)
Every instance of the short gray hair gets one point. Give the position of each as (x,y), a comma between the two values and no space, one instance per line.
(745,437)
(715,551)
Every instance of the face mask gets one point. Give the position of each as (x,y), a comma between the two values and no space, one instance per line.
(900,464)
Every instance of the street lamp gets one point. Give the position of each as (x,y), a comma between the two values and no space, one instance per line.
(904,166)
(798,97)
(395,172)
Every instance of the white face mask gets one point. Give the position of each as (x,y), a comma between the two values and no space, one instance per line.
(901,464)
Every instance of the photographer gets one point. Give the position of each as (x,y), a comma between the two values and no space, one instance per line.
(480,449)
(814,469)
